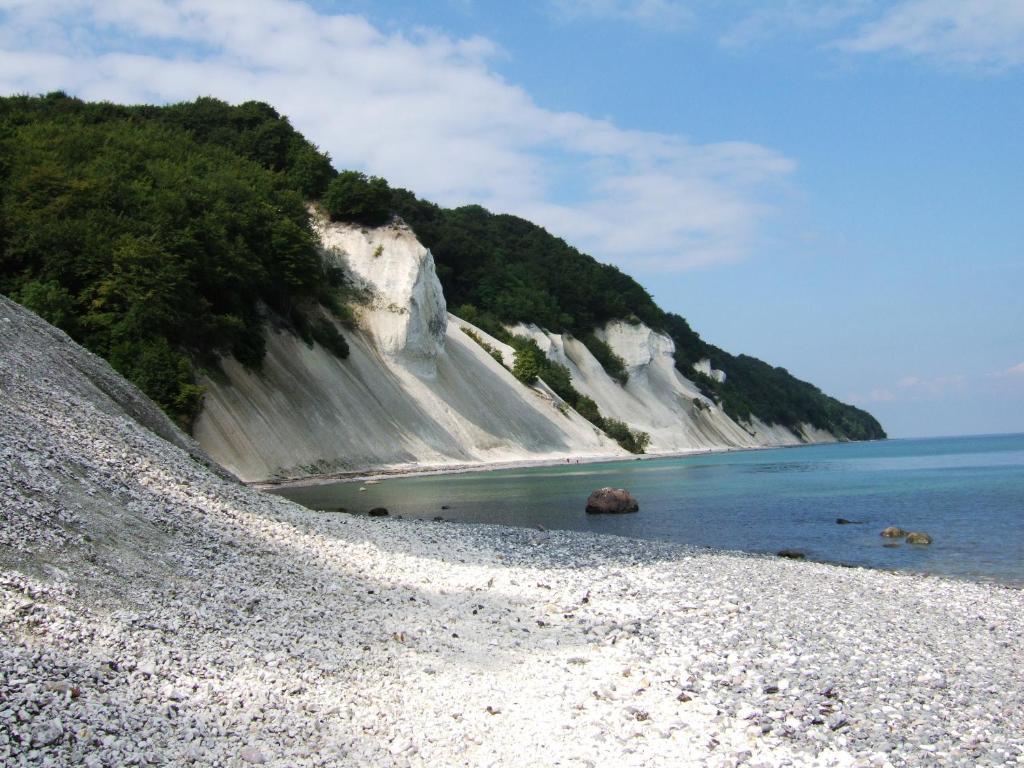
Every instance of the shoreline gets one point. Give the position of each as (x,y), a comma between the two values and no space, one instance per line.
(424,470)
(831,551)
(532,647)
(696,550)
(187,619)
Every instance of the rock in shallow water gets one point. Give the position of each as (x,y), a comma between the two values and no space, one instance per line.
(918,537)
(792,554)
(894,532)
(612,501)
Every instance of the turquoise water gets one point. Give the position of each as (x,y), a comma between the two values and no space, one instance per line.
(967,492)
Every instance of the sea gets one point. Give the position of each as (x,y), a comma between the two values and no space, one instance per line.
(967,493)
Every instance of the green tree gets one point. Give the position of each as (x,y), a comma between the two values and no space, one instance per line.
(163,238)
(50,301)
(354,196)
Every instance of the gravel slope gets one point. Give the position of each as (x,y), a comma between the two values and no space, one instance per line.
(155,612)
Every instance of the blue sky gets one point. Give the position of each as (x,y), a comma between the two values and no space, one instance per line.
(835,187)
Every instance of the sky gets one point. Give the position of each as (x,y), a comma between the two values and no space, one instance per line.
(836,187)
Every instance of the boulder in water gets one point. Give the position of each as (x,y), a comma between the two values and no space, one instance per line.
(378,512)
(894,532)
(918,537)
(611,501)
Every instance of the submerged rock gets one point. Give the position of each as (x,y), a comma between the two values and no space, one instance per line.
(894,532)
(918,537)
(792,554)
(612,501)
(378,512)
(844,521)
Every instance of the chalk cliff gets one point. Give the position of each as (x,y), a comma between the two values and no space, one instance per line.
(414,390)
(417,390)
(657,398)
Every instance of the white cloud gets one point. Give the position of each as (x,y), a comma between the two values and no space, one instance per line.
(880,395)
(917,388)
(662,13)
(987,34)
(422,109)
(786,17)
(1014,371)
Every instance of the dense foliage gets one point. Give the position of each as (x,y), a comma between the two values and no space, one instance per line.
(356,197)
(519,272)
(512,271)
(161,238)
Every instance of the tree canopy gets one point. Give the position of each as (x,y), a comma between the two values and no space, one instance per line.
(161,238)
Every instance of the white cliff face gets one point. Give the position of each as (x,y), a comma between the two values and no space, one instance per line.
(406,315)
(656,399)
(636,344)
(704,366)
(415,390)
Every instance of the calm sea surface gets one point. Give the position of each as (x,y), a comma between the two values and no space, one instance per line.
(967,492)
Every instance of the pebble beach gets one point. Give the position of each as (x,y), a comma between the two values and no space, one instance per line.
(154,611)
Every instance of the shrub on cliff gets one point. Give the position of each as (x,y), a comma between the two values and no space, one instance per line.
(527,366)
(613,365)
(632,440)
(531,364)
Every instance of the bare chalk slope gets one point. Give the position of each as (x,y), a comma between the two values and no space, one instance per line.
(417,390)
(657,398)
